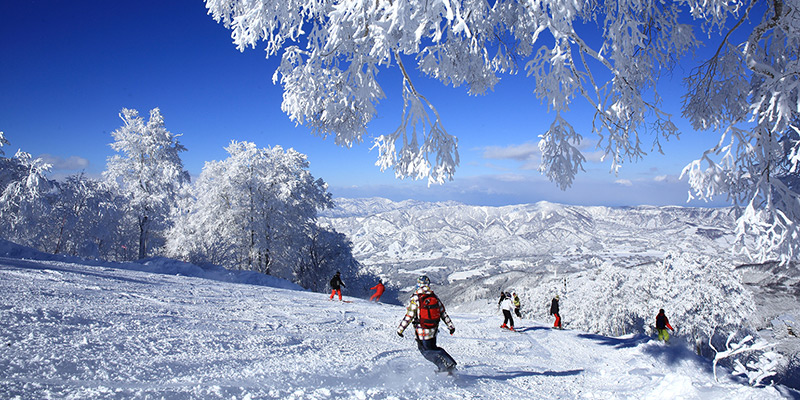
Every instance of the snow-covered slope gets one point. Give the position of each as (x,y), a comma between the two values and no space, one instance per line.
(452,242)
(75,331)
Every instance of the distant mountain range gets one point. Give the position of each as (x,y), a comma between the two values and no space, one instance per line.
(451,242)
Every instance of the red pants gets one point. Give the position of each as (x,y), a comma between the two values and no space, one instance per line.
(376,297)
(336,291)
(558,321)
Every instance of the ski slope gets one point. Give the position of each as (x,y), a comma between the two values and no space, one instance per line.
(75,331)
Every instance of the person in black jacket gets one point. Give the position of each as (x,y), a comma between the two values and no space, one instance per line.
(662,323)
(336,285)
(554,311)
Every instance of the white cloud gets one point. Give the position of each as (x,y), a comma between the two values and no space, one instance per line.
(594,156)
(70,163)
(661,178)
(522,152)
(623,182)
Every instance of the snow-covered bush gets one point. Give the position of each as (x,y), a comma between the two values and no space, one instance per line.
(699,294)
(759,362)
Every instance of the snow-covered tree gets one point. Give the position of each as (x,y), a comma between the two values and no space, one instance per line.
(149,172)
(324,252)
(3,142)
(700,294)
(26,200)
(252,211)
(11,169)
(608,53)
(86,217)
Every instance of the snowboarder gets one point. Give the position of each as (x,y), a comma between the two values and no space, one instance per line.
(506,306)
(425,311)
(336,285)
(554,312)
(662,323)
(517,305)
(379,288)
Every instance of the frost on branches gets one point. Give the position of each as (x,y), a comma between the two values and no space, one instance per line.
(251,211)
(699,294)
(751,91)
(149,171)
(332,51)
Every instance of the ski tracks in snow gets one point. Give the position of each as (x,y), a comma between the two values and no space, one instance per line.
(74,331)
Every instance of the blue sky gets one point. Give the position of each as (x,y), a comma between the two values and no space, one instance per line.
(68,67)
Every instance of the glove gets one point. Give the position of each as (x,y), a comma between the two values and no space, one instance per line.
(452,330)
(400,334)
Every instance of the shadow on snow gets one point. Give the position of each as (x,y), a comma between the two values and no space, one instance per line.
(619,343)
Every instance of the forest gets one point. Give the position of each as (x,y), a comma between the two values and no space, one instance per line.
(255,210)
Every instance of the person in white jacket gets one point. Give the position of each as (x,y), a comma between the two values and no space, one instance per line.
(507,305)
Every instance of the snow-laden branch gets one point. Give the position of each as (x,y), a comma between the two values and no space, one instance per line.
(609,54)
(756,371)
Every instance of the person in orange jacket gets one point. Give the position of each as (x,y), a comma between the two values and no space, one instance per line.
(379,288)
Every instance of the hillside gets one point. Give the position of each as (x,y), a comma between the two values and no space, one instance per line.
(73,329)
(453,242)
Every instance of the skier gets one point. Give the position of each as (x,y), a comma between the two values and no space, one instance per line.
(336,285)
(517,304)
(379,288)
(554,311)
(424,311)
(502,297)
(662,323)
(507,305)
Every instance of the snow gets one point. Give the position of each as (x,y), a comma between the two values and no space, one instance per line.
(75,329)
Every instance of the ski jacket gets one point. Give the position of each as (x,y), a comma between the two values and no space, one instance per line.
(379,288)
(502,297)
(662,322)
(412,315)
(516,302)
(507,304)
(554,307)
(336,282)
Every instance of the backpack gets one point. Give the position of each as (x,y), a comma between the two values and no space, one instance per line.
(429,313)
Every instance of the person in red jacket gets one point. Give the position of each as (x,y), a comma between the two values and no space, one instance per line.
(379,288)
(662,323)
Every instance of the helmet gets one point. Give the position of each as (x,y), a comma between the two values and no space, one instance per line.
(423,281)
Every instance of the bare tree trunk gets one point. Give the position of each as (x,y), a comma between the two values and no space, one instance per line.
(144,226)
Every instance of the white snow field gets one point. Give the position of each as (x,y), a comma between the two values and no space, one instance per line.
(71,330)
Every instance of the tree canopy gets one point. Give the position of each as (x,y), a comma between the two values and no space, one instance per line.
(608,53)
